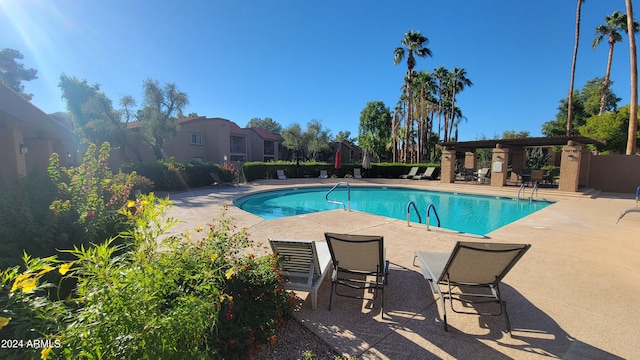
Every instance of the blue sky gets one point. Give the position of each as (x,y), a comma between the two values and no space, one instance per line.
(295,61)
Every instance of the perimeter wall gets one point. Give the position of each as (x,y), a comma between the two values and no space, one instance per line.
(614,173)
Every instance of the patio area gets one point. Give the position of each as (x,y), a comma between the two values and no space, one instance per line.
(573,294)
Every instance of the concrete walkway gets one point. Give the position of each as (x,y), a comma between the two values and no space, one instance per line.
(573,295)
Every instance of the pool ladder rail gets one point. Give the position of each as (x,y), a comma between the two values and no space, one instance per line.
(533,190)
(411,204)
(346,208)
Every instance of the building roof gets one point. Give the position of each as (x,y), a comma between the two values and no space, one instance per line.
(235,129)
(522,142)
(19,109)
(265,134)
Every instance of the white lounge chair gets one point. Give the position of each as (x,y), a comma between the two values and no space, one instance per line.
(281,175)
(357,174)
(471,265)
(411,174)
(305,264)
(427,174)
(323,174)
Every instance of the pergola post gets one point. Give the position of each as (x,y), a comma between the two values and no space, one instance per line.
(570,167)
(499,165)
(448,166)
(470,160)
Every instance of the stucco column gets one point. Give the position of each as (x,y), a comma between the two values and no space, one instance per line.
(499,164)
(570,167)
(470,160)
(448,166)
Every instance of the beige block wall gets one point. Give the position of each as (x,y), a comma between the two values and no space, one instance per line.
(614,173)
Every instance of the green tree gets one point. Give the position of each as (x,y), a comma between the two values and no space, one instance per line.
(413,43)
(161,107)
(266,123)
(512,134)
(610,128)
(344,136)
(632,135)
(293,138)
(586,104)
(13,73)
(374,132)
(610,29)
(456,82)
(569,121)
(92,112)
(317,139)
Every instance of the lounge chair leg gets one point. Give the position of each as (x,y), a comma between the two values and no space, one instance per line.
(331,294)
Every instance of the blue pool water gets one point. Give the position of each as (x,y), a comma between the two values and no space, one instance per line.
(472,214)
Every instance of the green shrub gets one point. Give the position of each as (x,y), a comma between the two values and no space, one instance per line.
(198,296)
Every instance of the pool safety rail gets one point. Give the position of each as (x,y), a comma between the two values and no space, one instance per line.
(346,208)
(429,208)
(533,190)
(411,204)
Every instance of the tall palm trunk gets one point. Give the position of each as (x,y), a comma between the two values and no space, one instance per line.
(573,68)
(605,83)
(633,63)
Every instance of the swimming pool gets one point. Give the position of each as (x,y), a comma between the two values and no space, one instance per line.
(474,214)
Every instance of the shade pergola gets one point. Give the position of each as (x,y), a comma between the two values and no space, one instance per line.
(518,143)
(502,149)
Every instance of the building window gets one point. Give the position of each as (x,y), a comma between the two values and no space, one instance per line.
(269,147)
(196,139)
(238,145)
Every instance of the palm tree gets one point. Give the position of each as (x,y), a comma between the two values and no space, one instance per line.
(425,107)
(613,23)
(633,62)
(413,43)
(459,81)
(442,75)
(573,67)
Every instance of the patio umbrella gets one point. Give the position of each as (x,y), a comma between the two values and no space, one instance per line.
(366,161)
(337,164)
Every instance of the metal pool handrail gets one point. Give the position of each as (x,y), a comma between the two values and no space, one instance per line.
(520,190)
(340,202)
(409,213)
(431,206)
(535,189)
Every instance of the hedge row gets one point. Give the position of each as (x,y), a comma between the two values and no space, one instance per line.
(169,175)
(267,170)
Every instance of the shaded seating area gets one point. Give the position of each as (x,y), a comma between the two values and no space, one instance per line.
(427,174)
(358,264)
(305,263)
(470,275)
(483,175)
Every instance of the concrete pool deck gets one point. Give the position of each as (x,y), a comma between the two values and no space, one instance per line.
(573,295)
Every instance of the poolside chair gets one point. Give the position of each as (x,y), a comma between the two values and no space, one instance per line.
(357,174)
(537,176)
(305,264)
(483,174)
(281,175)
(411,174)
(633,209)
(470,266)
(323,174)
(218,182)
(358,263)
(427,174)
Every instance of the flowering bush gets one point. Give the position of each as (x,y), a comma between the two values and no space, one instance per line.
(91,193)
(198,295)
